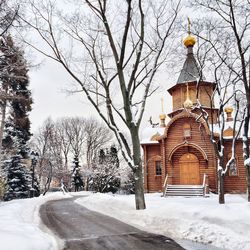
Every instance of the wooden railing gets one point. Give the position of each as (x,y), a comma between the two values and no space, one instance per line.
(204,185)
(165,185)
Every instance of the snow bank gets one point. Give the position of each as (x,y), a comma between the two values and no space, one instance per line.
(198,219)
(20,224)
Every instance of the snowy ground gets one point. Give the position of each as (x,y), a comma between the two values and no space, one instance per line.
(198,219)
(20,225)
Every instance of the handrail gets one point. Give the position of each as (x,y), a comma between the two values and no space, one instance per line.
(204,180)
(165,185)
(204,185)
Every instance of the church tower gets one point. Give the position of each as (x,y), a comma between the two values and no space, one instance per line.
(192,86)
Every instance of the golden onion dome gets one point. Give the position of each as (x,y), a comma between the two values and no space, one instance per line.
(229,110)
(162,116)
(189,41)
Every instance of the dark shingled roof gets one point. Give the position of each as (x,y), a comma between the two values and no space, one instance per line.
(190,70)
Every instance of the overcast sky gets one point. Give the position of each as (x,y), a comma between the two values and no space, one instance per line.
(49,83)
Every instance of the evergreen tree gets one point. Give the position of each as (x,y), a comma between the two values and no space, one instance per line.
(15,130)
(77,181)
(17,179)
(129,184)
(15,82)
(105,175)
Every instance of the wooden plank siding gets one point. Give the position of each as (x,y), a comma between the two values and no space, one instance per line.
(154,182)
(235,184)
(198,137)
(173,144)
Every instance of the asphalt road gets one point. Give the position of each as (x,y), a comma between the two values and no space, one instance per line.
(82,229)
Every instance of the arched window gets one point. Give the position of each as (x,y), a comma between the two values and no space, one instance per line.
(233,169)
(186,130)
(158,168)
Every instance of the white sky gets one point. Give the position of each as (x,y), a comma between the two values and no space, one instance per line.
(49,83)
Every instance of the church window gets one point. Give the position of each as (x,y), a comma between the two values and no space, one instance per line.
(158,167)
(186,130)
(233,169)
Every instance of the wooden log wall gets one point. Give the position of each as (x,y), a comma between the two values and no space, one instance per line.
(235,184)
(200,138)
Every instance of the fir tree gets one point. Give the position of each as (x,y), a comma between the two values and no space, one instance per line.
(16,133)
(15,82)
(76,176)
(17,179)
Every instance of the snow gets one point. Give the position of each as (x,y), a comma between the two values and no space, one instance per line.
(247,162)
(230,124)
(148,132)
(20,225)
(198,219)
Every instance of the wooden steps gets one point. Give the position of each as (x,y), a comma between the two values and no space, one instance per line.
(184,190)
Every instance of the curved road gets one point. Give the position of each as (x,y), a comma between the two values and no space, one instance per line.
(81,229)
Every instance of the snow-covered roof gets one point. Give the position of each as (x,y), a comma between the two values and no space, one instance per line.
(228,125)
(148,134)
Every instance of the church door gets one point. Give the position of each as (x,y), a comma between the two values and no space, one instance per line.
(189,170)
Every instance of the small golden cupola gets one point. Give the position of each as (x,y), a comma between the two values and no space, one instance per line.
(162,116)
(229,111)
(188,104)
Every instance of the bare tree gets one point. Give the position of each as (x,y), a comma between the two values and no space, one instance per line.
(117,48)
(8,14)
(228,26)
(225,93)
(58,143)
(97,136)
(41,143)
(74,129)
(62,126)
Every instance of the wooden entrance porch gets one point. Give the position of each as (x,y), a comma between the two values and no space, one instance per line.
(185,190)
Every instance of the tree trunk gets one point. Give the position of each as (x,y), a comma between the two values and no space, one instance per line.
(221,187)
(3,111)
(246,146)
(86,184)
(139,190)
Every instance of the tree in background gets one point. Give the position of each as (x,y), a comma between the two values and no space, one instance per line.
(97,136)
(59,142)
(16,80)
(129,183)
(105,173)
(16,130)
(17,179)
(8,14)
(77,181)
(41,143)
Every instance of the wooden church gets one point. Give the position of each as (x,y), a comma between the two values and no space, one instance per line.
(179,153)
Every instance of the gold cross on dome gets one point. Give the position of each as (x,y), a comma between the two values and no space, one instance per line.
(189,26)
(162,110)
